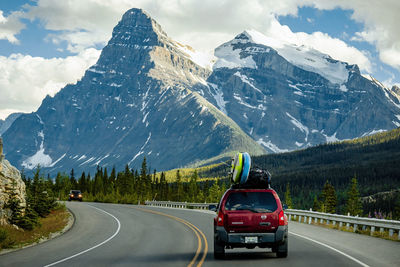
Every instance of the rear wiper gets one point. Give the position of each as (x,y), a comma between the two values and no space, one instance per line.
(249,209)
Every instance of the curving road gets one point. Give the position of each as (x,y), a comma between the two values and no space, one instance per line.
(127,235)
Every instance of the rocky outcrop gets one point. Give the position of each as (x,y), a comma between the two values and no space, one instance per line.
(10,179)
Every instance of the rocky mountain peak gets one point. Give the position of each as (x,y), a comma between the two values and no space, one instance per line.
(136,23)
(241,52)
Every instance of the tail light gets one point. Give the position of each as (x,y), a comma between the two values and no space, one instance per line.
(282,219)
(220,219)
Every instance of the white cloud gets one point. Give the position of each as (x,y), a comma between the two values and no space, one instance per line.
(334,47)
(26,80)
(10,26)
(380,19)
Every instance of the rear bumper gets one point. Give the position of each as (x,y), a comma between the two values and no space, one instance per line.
(263,239)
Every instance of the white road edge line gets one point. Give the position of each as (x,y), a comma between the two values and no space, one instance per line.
(96,246)
(332,248)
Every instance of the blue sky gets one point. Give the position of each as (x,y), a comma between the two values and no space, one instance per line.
(45,44)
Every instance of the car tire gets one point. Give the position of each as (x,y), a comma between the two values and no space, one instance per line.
(282,250)
(219,250)
(80,200)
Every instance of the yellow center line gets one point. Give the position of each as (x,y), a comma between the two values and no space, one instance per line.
(197,232)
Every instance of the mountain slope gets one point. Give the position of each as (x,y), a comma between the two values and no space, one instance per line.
(134,102)
(5,124)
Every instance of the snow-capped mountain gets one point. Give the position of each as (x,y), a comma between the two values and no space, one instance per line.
(149,95)
(288,97)
(135,101)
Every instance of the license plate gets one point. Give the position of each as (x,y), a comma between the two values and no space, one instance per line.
(250,239)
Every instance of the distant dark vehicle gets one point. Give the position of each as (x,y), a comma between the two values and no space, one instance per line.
(249,218)
(75,195)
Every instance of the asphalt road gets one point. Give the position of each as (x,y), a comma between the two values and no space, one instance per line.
(127,235)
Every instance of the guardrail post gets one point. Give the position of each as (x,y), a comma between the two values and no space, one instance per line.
(290,217)
(300,218)
(390,232)
(333,223)
(372,230)
(321,220)
(327,222)
(305,219)
(355,228)
(381,229)
(348,226)
(340,224)
(398,235)
(309,220)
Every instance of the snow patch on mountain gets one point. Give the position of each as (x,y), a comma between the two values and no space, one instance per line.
(141,149)
(299,125)
(246,80)
(374,132)
(200,58)
(304,57)
(58,160)
(230,58)
(274,148)
(330,139)
(39,158)
(219,97)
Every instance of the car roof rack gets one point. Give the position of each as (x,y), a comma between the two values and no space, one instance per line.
(257,179)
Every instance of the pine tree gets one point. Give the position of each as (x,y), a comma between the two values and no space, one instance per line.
(179,186)
(193,187)
(72,179)
(14,205)
(82,183)
(113,179)
(214,193)
(288,198)
(353,203)
(316,204)
(329,198)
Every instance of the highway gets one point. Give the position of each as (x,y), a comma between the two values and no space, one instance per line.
(128,235)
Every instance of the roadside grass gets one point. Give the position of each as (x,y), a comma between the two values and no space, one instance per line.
(12,237)
(366,231)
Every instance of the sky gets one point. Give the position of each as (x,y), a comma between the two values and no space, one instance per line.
(46,44)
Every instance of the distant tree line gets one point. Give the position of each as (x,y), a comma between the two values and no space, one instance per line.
(136,186)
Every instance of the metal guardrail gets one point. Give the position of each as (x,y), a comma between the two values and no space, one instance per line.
(356,222)
(309,217)
(182,205)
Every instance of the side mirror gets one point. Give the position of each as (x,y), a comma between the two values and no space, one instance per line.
(212,207)
(285,207)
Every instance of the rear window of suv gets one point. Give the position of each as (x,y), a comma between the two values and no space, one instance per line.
(253,201)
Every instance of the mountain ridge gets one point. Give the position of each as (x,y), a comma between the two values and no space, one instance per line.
(149,95)
(134,102)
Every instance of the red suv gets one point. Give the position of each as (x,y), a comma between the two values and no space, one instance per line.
(250,218)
